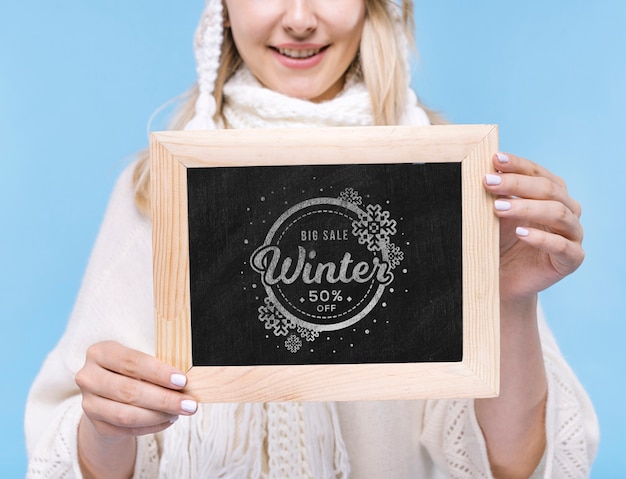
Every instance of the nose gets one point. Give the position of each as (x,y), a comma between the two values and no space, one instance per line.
(299,17)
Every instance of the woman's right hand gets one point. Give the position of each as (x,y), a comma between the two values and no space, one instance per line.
(126,393)
(130,393)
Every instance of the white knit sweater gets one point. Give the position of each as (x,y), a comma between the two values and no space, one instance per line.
(411,439)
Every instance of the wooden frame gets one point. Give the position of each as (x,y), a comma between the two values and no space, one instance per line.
(477,375)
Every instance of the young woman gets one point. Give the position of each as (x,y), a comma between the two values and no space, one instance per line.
(103,406)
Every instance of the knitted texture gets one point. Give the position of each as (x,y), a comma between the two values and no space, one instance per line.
(569,445)
(59,463)
(60,440)
(255,441)
(286,430)
(207,48)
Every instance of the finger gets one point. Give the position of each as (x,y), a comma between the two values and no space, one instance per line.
(136,364)
(130,391)
(531,187)
(509,163)
(114,431)
(125,416)
(551,214)
(566,256)
(106,429)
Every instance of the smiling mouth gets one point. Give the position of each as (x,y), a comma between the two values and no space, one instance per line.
(299,53)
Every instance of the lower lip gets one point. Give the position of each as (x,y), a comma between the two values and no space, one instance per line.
(299,63)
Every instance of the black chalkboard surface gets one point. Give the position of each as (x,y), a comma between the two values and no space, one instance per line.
(326,264)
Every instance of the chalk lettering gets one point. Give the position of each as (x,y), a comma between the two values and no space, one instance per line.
(274,268)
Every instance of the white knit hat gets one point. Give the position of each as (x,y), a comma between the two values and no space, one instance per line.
(207,49)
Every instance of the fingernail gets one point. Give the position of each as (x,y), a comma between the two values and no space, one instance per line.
(502,205)
(178,380)
(502,158)
(174,419)
(188,405)
(493,180)
(521,231)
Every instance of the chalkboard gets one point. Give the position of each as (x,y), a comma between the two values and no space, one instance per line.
(315,265)
(326,264)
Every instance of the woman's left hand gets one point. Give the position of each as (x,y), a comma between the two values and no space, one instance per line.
(540,231)
(540,243)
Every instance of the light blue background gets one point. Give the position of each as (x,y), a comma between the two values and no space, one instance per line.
(79,79)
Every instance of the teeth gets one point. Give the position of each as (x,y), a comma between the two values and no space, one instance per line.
(294,53)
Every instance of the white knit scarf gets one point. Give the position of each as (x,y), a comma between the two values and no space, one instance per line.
(256,440)
(272,440)
(248,105)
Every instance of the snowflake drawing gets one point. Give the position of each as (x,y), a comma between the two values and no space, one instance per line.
(374,227)
(308,334)
(351,196)
(293,343)
(274,319)
(394,255)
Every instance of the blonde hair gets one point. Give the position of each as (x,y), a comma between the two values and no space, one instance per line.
(380,62)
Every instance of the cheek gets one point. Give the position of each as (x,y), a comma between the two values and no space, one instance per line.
(351,25)
(245,34)
(253,28)
(350,14)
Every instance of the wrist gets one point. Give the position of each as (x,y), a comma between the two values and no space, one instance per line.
(519,308)
(104,457)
